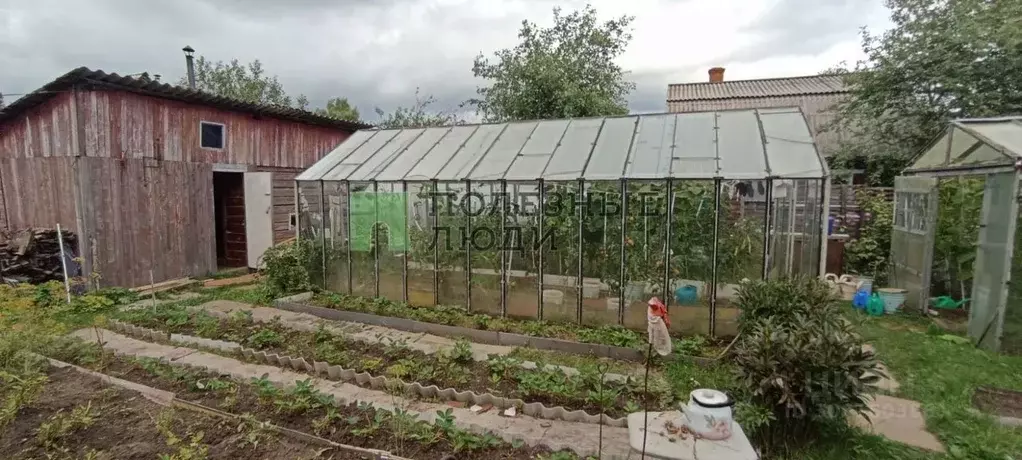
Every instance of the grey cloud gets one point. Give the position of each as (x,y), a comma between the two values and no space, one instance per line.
(803,27)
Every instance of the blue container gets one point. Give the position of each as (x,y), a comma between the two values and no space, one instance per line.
(830,225)
(686,295)
(861,299)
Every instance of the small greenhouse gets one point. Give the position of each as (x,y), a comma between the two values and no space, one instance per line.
(985,148)
(571,220)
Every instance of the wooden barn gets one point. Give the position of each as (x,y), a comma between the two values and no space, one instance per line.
(156,177)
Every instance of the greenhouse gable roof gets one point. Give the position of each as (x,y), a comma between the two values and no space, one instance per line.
(731,144)
(973,144)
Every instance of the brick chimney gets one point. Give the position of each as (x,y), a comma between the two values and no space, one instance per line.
(716,74)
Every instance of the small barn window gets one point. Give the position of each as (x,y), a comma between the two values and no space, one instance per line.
(211,135)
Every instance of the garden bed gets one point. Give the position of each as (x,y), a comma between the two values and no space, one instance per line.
(78,416)
(306,410)
(998,401)
(614,342)
(499,377)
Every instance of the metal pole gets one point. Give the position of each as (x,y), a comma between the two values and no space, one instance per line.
(467,243)
(766,227)
(713,268)
(579,281)
(436,243)
(667,244)
(63,264)
(540,270)
(825,224)
(502,201)
(622,276)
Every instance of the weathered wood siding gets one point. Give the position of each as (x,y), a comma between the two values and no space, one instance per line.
(145,215)
(126,125)
(283,201)
(818,108)
(37,192)
(45,131)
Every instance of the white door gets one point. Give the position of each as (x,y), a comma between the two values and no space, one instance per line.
(258,215)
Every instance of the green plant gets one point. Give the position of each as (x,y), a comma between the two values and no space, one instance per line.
(190,449)
(690,346)
(503,366)
(604,399)
(18,391)
(266,390)
(292,267)
(62,424)
(370,365)
(800,361)
(253,431)
(869,253)
(461,352)
(264,338)
(206,325)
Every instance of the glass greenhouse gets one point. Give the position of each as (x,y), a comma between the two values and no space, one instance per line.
(572,220)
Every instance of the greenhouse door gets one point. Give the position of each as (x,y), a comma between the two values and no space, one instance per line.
(915,217)
(992,272)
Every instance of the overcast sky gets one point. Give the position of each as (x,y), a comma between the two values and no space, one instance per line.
(376,52)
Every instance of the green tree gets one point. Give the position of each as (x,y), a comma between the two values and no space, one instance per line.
(248,82)
(563,71)
(417,115)
(942,59)
(339,108)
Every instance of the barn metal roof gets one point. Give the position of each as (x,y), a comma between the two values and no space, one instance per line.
(735,144)
(100,79)
(765,87)
(972,144)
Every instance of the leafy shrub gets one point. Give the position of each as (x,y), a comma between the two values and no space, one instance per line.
(801,362)
(291,267)
(869,253)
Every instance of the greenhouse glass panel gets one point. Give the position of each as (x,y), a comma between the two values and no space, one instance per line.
(783,212)
(742,216)
(560,251)
(1005,134)
(740,146)
(440,154)
(695,146)
(789,145)
(362,224)
(538,150)
(385,155)
(359,156)
(399,167)
(452,230)
(470,152)
(601,253)
(390,240)
(652,147)
(498,158)
(570,158)
(484,215)
(310,225)
(610,153)
(336,200)
(645,247)
(522,250)
(420,236)
(338,154)
(692,242)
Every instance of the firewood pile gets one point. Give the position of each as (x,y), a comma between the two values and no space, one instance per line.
(33,255)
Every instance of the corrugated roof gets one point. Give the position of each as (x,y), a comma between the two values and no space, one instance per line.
(974,143)
(767,87)
(98,78)
(733,144)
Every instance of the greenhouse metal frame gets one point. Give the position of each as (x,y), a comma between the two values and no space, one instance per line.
(514,219)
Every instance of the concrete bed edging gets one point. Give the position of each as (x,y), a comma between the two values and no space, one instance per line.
(170,399)
(338,373)
(476,335)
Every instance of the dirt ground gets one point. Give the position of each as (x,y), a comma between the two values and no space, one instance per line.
(997,401)
(125,426)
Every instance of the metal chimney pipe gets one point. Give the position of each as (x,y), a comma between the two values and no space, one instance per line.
(190,62)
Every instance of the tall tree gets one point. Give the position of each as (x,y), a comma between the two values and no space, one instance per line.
(417,115)
(566,70)
(942,59)
(247,82)
(339,108)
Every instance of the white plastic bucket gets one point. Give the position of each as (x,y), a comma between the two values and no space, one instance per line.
(590,289)
(866,283)
(553,297)
(893,299)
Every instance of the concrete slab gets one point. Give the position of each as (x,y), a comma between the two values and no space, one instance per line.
(899,420)
(886,384)
(661,443)
(582,438)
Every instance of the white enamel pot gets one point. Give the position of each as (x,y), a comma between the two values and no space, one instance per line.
(708,414)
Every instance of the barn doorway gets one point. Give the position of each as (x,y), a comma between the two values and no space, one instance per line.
(229,206)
